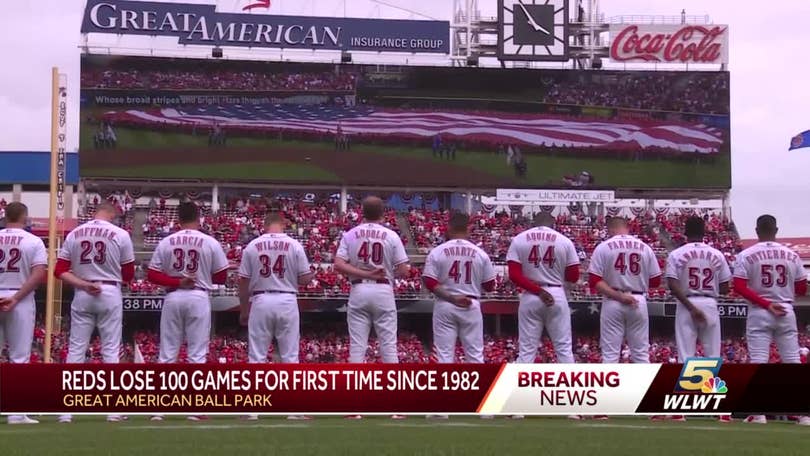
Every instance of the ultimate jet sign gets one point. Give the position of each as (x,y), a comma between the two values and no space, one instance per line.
(203,25)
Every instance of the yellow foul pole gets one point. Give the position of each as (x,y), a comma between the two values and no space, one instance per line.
(57,143)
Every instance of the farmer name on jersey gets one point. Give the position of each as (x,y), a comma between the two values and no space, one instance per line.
(626,244)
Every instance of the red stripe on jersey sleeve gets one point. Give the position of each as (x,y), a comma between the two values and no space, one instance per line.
(62,266)
(800,287)
(128,272)
(430,282)
(159,278)
(593,279)
(741,288)
(655,282)
(572,273)
(517,277)
(220,278)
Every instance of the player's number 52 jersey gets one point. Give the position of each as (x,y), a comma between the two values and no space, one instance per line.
(699,268)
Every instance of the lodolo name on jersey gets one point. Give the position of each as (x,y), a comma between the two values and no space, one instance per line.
(362,233)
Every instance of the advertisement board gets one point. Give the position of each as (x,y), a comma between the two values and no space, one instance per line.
(660,43)
(332,124)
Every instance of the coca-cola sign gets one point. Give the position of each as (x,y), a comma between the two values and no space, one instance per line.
(684,44)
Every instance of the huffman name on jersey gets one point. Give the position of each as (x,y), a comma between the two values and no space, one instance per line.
(93,232)
(692,402)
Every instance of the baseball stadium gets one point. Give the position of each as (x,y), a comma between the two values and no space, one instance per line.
(230,138)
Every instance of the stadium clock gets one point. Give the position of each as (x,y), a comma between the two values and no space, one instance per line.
(533,30)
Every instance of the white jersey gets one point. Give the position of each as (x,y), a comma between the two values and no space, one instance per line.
(625,263)
(274,262)
(699,268)
(771,270)
(371,246)
(460,266)
(544,255)
(190,253)
(20,251)
(96,251)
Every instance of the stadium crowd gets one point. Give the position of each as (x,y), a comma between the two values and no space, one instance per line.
(697,93)
(253,81)
(330,344)
(319,226)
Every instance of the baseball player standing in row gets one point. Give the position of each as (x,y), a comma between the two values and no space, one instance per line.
(23,267)
(188,263)
(540,261)
(697,274)
(273,266)
(96,258)
(457,272)
(770,276)
(622,270)
(371,256)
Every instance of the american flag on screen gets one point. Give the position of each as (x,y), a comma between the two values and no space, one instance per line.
(490,127)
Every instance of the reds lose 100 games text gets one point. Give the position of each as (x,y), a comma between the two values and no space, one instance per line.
(269,380)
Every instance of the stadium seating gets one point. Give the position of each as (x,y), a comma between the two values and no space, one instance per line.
(330,343)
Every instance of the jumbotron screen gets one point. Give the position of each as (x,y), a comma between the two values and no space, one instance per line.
(308,123)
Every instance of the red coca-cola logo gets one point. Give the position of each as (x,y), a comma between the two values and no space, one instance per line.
(689,44)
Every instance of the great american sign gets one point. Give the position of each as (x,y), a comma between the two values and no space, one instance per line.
(202,25)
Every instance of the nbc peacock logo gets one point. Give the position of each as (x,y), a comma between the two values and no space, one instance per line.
(714,385)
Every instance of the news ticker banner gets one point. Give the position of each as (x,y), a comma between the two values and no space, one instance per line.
(700,386)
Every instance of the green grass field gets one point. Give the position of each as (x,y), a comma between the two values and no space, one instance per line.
(543,169)
(414,436)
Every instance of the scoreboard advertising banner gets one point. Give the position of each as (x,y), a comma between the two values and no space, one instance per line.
(701,386)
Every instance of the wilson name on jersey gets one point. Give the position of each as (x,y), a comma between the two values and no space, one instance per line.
(274,262)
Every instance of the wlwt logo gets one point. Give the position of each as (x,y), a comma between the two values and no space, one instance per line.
(258,4)
(698,388)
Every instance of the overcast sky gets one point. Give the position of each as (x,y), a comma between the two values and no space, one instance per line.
(770,98)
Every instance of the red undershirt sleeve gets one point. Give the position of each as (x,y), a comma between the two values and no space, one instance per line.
(655,282)
(62,266)
(593,279)
(430,283)
(220,278)
(572,273)
(128,272)
(159,278)
(741,288)
(800,287)
(489,287)
(517,277)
